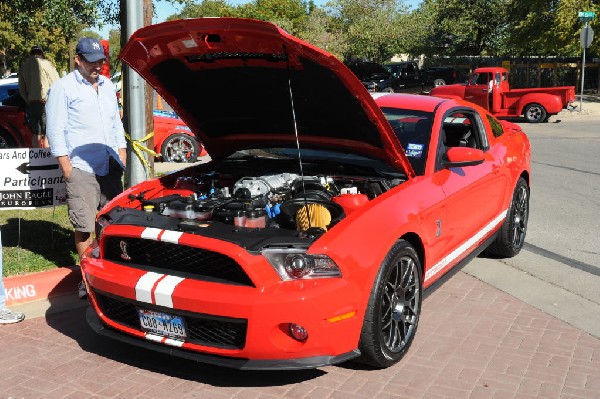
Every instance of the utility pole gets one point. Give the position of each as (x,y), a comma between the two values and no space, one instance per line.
(149,91)
(132,15)
(586,37)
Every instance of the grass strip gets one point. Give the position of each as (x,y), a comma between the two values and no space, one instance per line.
(36,240)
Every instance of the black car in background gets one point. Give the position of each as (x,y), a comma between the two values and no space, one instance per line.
(401,77)
(409,71)
(375,77)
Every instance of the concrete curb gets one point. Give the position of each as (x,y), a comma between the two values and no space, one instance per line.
(44,285)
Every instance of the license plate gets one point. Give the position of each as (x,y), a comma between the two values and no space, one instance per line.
(162,324)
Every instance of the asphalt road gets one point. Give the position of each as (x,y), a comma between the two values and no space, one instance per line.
(558,270)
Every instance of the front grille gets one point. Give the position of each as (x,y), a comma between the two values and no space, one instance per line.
(220,332)
(175,259)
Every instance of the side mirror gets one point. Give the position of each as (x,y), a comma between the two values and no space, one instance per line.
(457,157)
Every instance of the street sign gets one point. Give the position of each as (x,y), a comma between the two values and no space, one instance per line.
(585,16)
(586,36)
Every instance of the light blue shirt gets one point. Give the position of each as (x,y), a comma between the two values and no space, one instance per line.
(83,124)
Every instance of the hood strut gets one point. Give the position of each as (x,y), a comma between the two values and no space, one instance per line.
(296,132)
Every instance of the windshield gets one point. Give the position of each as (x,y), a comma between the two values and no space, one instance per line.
(413,129)
(313,160)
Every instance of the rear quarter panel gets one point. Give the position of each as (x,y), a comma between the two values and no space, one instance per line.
(553,99)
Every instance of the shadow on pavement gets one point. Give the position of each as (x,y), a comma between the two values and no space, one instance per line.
(73,324)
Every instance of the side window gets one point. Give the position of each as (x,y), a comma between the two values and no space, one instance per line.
(474,78)
(497,78)
(482,79)
(461,128)
(497,129)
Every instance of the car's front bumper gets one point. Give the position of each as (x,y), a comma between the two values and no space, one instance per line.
(237,363)
(329,309)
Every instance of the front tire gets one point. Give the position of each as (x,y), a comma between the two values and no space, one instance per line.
(394,307)
(439,82)
(535,113)
(180,148)
(511,237)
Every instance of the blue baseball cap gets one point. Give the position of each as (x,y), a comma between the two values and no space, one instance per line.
(90,49)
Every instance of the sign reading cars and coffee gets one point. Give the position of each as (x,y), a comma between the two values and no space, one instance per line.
(30,178)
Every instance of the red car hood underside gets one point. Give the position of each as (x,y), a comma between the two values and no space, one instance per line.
(230,80)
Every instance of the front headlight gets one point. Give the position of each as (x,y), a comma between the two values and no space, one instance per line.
(294,264)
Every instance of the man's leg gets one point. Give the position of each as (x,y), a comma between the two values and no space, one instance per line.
(82,242)
(83,196)
(111,185)
(36,112)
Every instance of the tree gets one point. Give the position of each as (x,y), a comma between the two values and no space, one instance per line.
(114,43)
(547,27)
(320,30)
(207,8)
(290,15)
(53,24)
(371,28)
(459,27)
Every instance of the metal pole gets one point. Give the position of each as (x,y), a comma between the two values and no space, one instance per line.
(583,69)
(134,97)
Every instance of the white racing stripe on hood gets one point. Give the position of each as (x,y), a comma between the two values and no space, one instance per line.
(171,236)
(151,233)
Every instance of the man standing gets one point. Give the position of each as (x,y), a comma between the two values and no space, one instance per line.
(36,76)
(86,136)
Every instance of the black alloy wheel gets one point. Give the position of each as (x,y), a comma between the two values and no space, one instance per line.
(394,307)
(511,236)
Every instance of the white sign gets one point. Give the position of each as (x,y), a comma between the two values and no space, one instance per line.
(586,36)
(30,178)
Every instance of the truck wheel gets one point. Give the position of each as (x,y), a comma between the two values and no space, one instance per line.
(535,113)
(439,82)
(388,90)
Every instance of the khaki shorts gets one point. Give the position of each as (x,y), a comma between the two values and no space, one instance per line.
(88,192)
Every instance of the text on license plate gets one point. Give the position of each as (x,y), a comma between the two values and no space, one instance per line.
(162,323)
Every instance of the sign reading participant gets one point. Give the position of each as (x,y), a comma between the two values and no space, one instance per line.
(30,178)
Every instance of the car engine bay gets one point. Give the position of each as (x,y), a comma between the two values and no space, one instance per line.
(252,209)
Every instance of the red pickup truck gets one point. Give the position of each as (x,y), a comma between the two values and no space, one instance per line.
(488,87)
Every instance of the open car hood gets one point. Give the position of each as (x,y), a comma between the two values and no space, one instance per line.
(241,83)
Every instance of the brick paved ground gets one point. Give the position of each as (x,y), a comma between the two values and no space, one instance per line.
(474,341)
